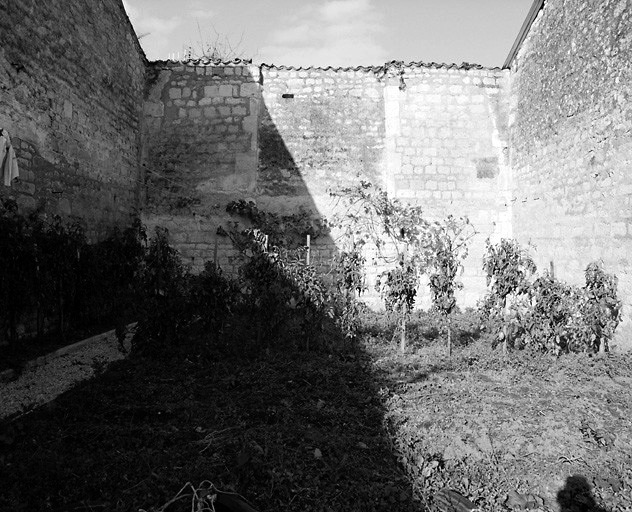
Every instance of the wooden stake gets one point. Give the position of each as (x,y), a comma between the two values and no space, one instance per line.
(307,254)
(552,267)
(215,254)
(266,243)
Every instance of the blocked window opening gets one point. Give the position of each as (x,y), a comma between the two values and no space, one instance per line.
(487,167)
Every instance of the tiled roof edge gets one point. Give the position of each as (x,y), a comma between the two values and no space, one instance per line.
(394,63)
(205,62)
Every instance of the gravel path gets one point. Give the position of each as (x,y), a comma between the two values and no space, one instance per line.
(41,384)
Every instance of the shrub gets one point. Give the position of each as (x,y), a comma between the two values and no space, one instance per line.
(508,269)
(215,297)
(285,231)
(398,288)
(108,276)
(18,266)
(348,272)
(349,279)
(420,247)
(601,308)
(401,236)
(548,313)
(165,307)
(280,288)
(544,318)
(59,249)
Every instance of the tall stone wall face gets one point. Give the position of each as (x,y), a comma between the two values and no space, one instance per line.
(571,150)
(201,133)
(447,151)
(201,128)
(287,137)
(71,97)
(320,130)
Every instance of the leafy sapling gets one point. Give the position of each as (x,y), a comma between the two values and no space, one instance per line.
(450,241)
(402,237)
(509,269)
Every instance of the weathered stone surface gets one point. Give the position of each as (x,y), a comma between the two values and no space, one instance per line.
(288,142)
(72,100)
(571,150)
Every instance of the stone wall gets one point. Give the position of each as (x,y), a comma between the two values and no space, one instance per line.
(71,97)
(287,137)
(446,143)
(571,150)
(201,130)
(541,153)
(320,130)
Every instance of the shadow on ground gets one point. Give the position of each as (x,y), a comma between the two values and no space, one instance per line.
(289,431)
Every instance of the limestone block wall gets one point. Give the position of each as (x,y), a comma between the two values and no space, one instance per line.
(571,150)
(447,151)
(72,76)
(201,132)
(287,137)
(321,130)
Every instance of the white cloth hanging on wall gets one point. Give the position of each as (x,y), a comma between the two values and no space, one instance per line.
(8,160)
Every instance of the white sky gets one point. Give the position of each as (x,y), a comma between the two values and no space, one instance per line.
(334,32)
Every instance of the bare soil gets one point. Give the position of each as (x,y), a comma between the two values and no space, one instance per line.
(362,428)
(523,430)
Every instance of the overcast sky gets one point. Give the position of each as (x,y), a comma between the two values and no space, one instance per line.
(333,32)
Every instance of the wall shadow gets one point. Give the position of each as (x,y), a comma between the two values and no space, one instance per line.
(211,139)
(289,429)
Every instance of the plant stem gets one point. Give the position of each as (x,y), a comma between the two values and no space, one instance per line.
(449,338)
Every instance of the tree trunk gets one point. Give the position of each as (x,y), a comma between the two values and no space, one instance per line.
(602,346)
(449,338)
(506,320)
